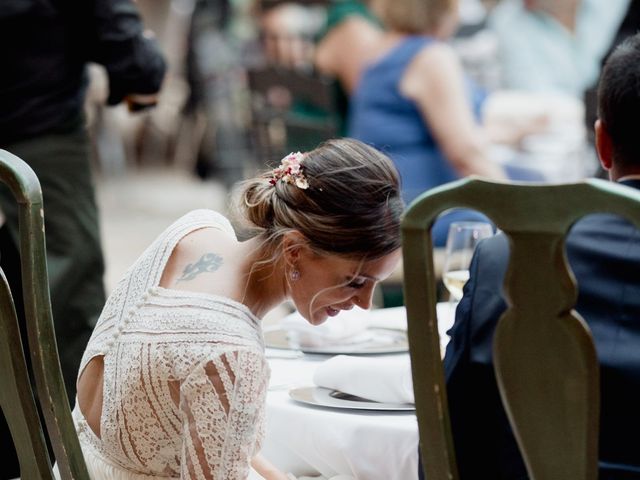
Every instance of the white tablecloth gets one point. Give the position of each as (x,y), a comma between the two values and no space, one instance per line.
(306,440)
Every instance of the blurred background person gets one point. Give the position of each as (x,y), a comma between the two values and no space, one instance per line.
(215,74)
(554,45)
(46,46)
(347,43)
(287,30)
(548,58)
(415,104)
(345,47)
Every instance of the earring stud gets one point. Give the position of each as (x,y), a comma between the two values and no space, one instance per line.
(295,275)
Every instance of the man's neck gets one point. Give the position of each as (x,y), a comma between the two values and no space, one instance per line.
(629,177)
(617,174)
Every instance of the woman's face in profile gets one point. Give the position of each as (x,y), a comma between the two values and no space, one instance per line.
(329,284)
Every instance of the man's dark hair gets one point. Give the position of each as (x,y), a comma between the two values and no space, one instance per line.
(619,101)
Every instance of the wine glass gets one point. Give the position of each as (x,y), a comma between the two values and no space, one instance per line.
(461,242)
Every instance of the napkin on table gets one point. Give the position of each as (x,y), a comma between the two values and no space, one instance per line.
(394,318)
(353,326)
(381,379)
(349,326)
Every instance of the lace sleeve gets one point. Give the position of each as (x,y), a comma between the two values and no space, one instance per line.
(222,404)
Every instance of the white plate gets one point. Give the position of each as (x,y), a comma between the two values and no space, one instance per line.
(325,397)
(381,340)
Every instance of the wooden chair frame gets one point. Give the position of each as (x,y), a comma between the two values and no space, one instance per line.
(16,394)
(309,89)
(554,395)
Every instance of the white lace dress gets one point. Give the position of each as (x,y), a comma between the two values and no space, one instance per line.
(185,376)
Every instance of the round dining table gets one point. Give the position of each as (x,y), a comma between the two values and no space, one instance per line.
(313,440)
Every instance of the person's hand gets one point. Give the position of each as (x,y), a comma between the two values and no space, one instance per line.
(267,470)
(137,101)
(512,131)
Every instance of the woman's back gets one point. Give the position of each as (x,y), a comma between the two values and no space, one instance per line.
(184,374)
(379,111)
(385,118)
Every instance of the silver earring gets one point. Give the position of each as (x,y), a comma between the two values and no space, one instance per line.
(295,275)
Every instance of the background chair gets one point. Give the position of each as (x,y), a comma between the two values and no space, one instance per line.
(16,390)
(545,360)
(291,110)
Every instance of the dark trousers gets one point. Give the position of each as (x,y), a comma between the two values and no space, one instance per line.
(74,254)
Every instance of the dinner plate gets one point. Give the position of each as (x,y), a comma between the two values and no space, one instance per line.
(376,342)
(325,397)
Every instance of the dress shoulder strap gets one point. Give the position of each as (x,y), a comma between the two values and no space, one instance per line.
(400,55)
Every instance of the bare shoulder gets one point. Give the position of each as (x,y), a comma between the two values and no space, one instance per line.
(196,257)
(436,59)
(434,64)
(354,27)
(204,238)
(347,48)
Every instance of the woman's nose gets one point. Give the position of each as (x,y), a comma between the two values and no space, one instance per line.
(364,298)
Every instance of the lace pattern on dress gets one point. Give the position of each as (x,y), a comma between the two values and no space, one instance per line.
(185,376)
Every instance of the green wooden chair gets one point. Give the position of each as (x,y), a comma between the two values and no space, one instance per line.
(16,391)
(291,110)
(544,356)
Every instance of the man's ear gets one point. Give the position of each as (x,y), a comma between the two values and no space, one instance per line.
(604,145)
(294,245)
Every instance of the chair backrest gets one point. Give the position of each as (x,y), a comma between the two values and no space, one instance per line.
(16,390)
(291,110)
(544,356)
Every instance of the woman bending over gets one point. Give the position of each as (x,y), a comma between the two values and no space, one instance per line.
(174,379)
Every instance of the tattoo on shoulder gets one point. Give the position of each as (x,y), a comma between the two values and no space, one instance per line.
(209,262)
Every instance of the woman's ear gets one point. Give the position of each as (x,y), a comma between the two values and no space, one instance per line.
(294,246)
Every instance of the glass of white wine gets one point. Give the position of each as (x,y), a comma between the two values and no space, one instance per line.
(461,242)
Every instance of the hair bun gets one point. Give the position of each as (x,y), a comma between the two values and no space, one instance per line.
(257,203)
(349,203)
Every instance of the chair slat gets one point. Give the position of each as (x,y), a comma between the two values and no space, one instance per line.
(16,397)
(40,330)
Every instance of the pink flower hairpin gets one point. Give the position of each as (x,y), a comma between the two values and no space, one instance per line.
(290,171)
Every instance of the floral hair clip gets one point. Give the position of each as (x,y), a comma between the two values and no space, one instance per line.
(290,171)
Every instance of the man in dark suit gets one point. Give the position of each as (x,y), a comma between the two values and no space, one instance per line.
(604,253)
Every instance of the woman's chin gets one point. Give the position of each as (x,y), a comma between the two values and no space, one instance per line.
(318,317)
